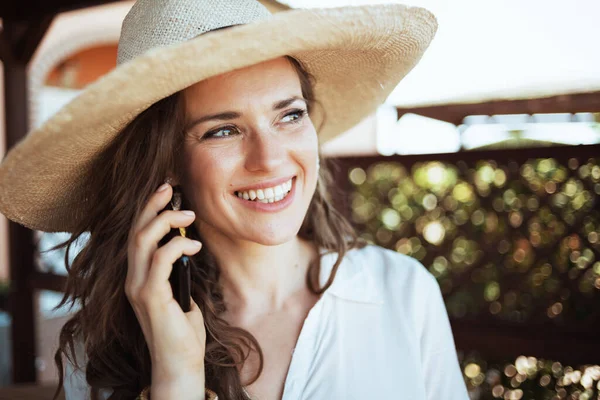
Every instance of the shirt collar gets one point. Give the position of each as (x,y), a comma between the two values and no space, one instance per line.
(354,280)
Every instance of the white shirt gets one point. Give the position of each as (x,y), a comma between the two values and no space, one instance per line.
(381,331)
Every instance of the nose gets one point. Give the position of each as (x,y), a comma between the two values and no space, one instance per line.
(266,152)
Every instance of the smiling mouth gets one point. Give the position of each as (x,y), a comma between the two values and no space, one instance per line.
(267,195)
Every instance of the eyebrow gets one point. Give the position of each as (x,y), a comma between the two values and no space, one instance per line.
(229,115)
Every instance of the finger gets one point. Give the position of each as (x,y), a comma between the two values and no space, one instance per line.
(157,202)
(155,205)
(164,258)
(146,242)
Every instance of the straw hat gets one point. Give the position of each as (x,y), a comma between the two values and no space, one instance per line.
(357,55)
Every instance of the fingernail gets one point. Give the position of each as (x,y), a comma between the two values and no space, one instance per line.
(162,187)
(187,212)
(197,243)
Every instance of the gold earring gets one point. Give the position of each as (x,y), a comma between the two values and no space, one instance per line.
(176,205)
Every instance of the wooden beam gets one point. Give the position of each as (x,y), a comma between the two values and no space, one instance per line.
(32,34)
(21,245)
(31,10)
(19,41)
(519,155)
(48,281)
(456,113)
(5,50)
(500,341)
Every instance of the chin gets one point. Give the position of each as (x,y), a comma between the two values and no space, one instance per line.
(273,238)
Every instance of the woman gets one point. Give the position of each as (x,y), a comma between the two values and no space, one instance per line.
(286,302)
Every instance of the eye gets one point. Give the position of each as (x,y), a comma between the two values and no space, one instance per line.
(294,116)
(221,132)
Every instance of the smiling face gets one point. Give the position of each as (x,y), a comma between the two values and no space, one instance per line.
(249,136)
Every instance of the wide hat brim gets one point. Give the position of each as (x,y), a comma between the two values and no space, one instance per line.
(357,54)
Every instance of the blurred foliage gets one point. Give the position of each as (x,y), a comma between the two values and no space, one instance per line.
(509,242)
(529,378)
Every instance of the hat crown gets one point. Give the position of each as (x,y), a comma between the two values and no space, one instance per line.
(156,23)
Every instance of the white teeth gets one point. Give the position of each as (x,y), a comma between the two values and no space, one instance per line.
(268,195)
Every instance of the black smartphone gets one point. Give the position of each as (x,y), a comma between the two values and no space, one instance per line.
(180,278)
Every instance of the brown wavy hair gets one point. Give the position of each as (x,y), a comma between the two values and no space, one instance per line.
(123,178)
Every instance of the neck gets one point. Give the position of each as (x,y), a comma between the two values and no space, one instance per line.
(258,279)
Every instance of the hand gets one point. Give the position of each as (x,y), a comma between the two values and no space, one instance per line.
(176,340)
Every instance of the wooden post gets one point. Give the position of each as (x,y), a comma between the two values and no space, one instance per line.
(18,42)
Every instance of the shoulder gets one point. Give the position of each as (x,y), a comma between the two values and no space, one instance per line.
(385,265)
(392,277)
(77,358)
(75,383)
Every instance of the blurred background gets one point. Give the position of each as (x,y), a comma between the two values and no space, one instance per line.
(484,164)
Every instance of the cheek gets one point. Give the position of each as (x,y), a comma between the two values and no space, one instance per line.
(310,152)
(306,152)
(306,145)
(205,173)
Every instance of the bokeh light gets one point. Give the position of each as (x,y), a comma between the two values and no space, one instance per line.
(513,235)
(529,378)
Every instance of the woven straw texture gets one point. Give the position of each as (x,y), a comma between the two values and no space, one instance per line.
(157,23)
(357,55)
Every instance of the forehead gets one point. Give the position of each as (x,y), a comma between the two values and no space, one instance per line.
(269,81)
